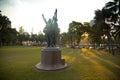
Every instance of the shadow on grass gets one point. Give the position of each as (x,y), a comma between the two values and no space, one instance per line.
(102,63)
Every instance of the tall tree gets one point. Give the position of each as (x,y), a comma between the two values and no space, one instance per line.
(101,28)
(7,34)
(112,15)
(76,29)
(107,21)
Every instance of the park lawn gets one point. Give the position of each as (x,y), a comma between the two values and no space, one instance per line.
(18,63)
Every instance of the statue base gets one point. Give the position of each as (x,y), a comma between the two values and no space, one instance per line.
(51,59)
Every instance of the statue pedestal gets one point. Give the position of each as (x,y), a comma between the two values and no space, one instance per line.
(51,59)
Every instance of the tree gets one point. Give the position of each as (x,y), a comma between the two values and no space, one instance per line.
(41,37)
(7,34)
(64,38)
(76,29)
(112,15)
(71,34)
(100,28)
(12,36)
(107,21)
(22,35)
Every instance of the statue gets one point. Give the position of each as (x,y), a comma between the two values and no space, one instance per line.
(51,30)
(51,58)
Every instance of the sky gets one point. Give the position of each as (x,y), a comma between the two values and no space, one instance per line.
(28,13)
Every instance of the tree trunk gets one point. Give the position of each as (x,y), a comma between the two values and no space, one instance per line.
(109,44)
(0,40)
(113,53)
(0,44)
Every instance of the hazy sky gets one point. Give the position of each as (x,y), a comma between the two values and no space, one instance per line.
(27,13)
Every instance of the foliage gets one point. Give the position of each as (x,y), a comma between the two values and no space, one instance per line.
(87,30)
(22,35)
(112,15)
(18,63)
(8,35)
(100,28)
(107,24)
(76,29)
(41,37)
(25,36)
(63,40)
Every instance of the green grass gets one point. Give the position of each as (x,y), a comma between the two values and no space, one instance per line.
(18,63)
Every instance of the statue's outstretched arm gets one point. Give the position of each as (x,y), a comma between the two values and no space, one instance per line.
(44,18)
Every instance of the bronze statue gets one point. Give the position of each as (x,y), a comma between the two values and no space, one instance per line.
(51,30)
(51,58)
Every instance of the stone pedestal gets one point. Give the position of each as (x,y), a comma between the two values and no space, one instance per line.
(51,59)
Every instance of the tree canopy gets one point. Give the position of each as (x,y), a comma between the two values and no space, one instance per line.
(7,34)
